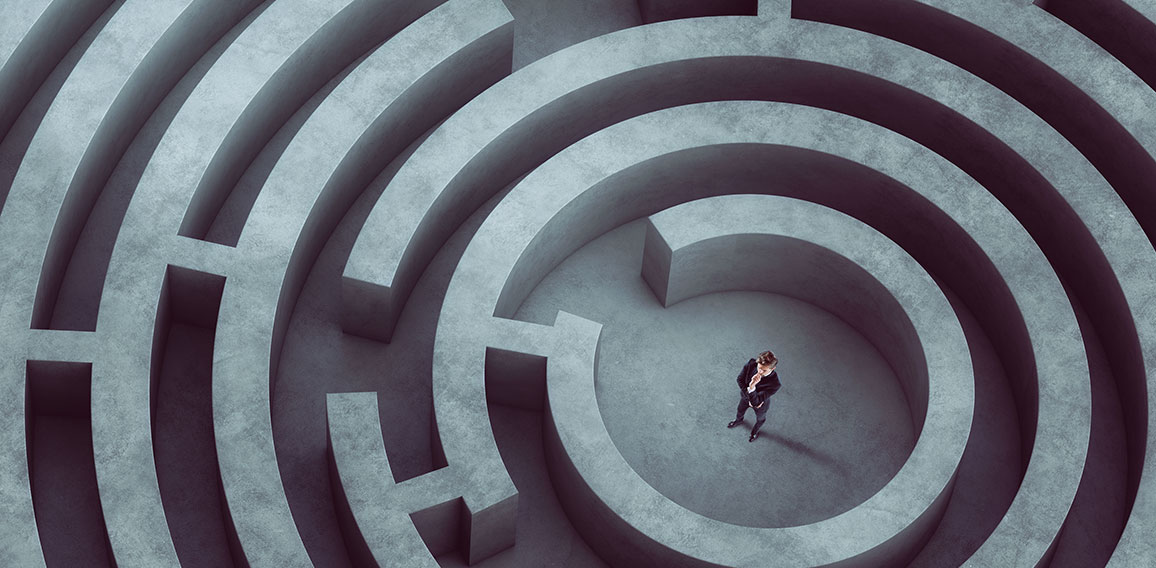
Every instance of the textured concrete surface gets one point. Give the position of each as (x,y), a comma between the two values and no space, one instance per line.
(368,282)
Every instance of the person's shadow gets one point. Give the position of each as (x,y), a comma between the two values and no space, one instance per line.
(823,458)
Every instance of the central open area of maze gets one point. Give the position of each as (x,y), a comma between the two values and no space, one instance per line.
(417,283)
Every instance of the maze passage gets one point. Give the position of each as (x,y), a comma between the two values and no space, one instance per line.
(466,282)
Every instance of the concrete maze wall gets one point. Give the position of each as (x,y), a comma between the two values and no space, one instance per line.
(468,282)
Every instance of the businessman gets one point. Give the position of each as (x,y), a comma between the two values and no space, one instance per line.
(758,381)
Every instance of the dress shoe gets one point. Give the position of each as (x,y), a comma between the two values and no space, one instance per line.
(753,436)
(734,423)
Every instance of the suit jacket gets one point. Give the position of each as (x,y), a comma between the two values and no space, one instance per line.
(767,386)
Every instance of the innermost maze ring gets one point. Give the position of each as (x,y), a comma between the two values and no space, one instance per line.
(887,527)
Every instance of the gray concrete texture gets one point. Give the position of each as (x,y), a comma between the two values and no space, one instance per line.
(468,282)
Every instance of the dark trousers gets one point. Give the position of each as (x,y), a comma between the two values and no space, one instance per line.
(760,413)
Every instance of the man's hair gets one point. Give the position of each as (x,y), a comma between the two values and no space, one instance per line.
(767,359)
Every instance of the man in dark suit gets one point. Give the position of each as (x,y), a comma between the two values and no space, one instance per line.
(757,382)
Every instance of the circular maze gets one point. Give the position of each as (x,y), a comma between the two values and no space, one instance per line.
(467,282)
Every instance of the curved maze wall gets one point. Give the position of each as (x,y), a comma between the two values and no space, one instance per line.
(465,282)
